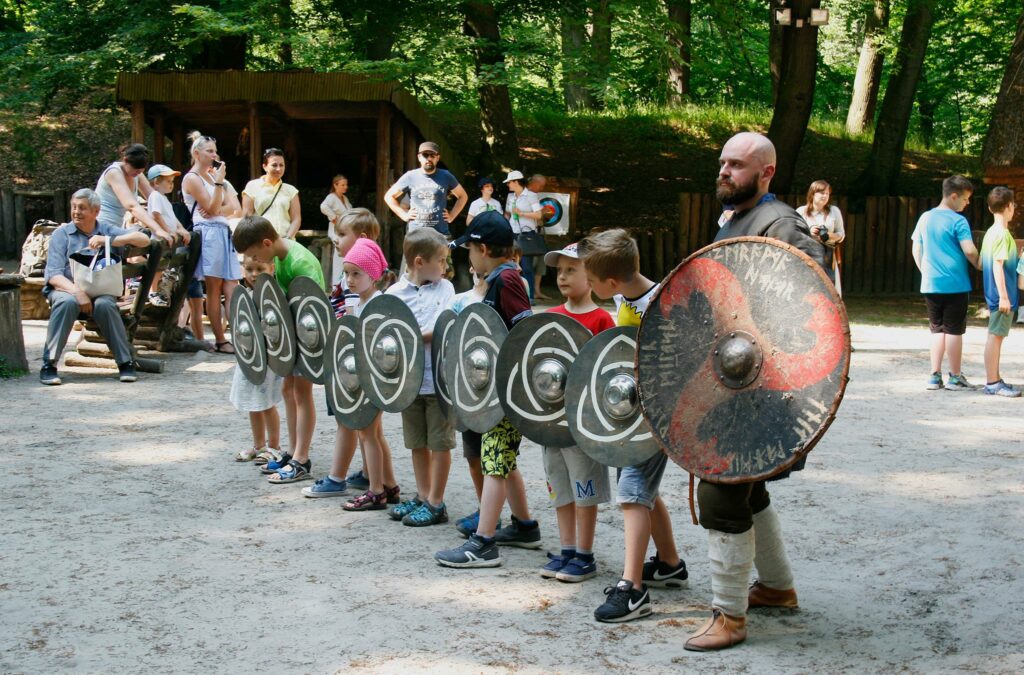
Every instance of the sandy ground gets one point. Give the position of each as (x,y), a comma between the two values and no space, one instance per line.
(133,542)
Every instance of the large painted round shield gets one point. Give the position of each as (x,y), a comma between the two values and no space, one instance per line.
(442,333)
(278,326)
(743,360)
(470,362)
(247,336)
(601,401)
(533,367)
(341,379)
(312,313)
(389,353)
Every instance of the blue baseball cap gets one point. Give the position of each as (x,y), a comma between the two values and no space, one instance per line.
(160,170)
(490,227)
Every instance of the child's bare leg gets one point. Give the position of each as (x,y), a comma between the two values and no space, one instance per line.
(492,500)
(421,471)
(214,287)
(156,281)
(955,351)
(476,475)
(272,424)
(259,432)
(440,467)
(344,449)
(516,492)
(374,458)
(305,417)
(586,523)
(566,515)
(389,468)
(290,411)
(993,349)
(196,318)
(637,521)
(661,532)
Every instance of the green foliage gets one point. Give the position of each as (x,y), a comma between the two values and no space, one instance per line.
(7,371)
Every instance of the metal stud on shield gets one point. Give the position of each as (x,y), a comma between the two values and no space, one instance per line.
(743,359)
(533,367)
(470,363)
(247,335)
(312,314)
(389,353)
(341,380)
(277,324)
(602,404)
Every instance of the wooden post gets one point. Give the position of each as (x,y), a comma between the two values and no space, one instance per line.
(383,158)
(412,145)
(7,221)
(138,122)
(19,223)
(397,148)
(178,148)
(255,141)
(60,206)
(158,138)
(291,152)
(12,342)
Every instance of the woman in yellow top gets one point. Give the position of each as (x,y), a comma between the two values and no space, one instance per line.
(272,198)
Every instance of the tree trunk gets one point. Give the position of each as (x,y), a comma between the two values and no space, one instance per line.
(285,50)
(680,16)
(775,49)
(927,104)
(601,47)
(225,53)
(884,164)
(1004,143)
(869,69)
(795,96)
(574,48)
(496,119)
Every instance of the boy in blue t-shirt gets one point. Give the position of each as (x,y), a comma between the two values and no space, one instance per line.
(942,247)
(999,272)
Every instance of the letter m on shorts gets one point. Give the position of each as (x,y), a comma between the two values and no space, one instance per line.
(584,491)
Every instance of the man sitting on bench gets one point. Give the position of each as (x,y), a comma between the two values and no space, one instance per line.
(68,301)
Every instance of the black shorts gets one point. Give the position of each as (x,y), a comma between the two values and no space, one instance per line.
(731,508)
(947,312)
(471,442)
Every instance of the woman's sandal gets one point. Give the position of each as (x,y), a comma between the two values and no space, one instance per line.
(293,473)
(368,501)
(248,455)
(219,347)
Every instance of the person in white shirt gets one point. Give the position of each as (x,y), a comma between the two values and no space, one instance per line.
(826,222)
(523,211)
(161,179)
(486,202)
(334,206)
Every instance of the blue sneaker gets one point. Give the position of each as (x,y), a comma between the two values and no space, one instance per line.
(1000,388)
(958,383)
(400,511)
(474,553)
(577,570)
(326,487)
(934,382)
(426,515)
(358,481)
(467,526)
(273,466)
(554,566)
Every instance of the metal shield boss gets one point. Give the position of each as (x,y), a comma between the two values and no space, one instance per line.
(312,314)
(602,404)
(470,363)
(247,336)
(341,380)
(389,353)
(533,366)
(743,359)
(441,335)
(277,324)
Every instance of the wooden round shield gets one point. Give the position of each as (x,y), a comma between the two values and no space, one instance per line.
(533,367)
(601,401)
(389,353)
(470,363)
(442,334)
(312,313)
(743,359)
(247,336)
(278,326)
(341,380)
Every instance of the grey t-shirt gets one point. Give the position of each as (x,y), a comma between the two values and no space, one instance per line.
(428,194)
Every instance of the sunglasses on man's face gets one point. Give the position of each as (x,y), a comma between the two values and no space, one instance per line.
(428,155)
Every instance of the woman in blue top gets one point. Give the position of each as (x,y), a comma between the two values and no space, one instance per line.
(119,187)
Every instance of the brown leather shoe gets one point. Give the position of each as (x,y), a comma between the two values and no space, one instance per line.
(762,596)
(720,632)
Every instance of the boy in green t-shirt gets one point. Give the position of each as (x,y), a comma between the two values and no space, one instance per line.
(256,237)
(999,274)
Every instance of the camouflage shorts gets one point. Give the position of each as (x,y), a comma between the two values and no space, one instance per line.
(499,449)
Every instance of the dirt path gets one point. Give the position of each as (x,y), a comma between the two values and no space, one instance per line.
(132,542)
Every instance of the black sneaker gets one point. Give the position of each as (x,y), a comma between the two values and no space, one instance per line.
(660,575)
(624,603)
(48,374)
(127,372)
(519,535)
(475,552)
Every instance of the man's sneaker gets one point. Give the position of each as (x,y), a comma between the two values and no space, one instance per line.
(519,535)
(554,566)
(467,524)
(426,515)
(958,383)
(48,374)
(126,372)
(660,575)
(475,552)
(326,487)
(934,382)
(358,481)
(399,511)
(577,570)
(1000,388)
(624,603)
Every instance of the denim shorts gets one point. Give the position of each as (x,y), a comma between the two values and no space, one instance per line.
(195,288)
(639,484)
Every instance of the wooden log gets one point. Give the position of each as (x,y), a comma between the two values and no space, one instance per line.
(683,225)
(867,283)
(904,256)
(383,159)
(657,256)
(81,361)
(12,341)
(94,349)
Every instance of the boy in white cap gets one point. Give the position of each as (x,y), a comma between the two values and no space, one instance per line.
(161,179)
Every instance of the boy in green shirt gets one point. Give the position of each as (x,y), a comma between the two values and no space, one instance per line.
(256,237)
(999,274)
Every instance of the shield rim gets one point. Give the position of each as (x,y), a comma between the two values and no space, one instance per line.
(844,378)
(439,338)
(243,295)
(354,419)
(398,312)
(301,295)
(267,284)
(454,363)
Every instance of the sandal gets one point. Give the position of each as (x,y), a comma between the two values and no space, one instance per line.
(293,473)
(394,494)
(275,465)
(219,347)
(368,501)
(248,455)
(267,454)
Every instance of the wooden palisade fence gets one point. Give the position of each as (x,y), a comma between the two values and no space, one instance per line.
(877,256)
(14,218)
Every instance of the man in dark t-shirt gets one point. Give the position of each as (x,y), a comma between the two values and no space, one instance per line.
(428,188)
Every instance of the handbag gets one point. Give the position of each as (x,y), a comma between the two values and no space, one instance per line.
(532,243)
(97,274)
(182,212)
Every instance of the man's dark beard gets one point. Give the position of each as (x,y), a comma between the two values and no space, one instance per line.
(731,195)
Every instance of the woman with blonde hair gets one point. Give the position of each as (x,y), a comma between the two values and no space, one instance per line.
(826,223)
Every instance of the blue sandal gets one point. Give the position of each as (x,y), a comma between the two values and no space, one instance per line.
(293,473)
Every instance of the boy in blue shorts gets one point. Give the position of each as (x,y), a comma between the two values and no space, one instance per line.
(999,263)
(612,263)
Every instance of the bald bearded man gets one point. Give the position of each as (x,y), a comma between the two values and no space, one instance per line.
(743,527)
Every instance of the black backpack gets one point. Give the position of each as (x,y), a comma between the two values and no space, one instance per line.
(182,212)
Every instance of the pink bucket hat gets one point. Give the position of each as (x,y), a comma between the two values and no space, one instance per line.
(367,256)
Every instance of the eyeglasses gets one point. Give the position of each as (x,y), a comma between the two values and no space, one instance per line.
(428,155)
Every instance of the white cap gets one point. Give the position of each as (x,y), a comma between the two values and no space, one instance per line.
(570,251)
(513,175)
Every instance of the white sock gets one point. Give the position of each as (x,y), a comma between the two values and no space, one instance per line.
(772,563)
(732,558)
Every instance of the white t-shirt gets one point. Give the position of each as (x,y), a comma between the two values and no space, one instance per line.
(480,205)
(358,308)
(426,302)
(833,221)
(158,203)
(526,201)
(629,311)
